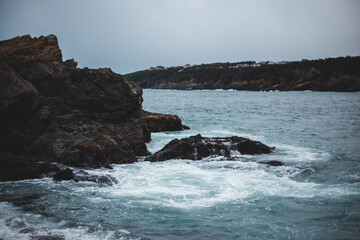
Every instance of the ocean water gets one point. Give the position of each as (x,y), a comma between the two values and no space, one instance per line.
(316,195)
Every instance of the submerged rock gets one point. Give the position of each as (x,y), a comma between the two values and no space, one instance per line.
(83,176)
(273,163)
(48,237)
(198,147)
(157,122)
(52,111)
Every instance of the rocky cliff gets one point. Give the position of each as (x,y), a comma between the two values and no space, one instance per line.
(332,74)
(52,111)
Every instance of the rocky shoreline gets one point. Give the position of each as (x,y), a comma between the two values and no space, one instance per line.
(53,112)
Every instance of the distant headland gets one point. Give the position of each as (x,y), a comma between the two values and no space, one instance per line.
(340,74)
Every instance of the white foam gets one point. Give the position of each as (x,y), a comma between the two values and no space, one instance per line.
(229,133)
(296,154)
(188,184)
(14,224)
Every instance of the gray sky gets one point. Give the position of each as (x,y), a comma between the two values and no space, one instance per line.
(137,34)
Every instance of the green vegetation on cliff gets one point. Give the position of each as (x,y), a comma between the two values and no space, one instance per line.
(331,74)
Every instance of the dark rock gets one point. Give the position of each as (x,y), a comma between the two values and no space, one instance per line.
(14,167)
(157,122)
(198,147)
(105,180)
(48,237)
(273,163)
(108,166)
(22,114)
(45,168)
(83,176)
(66,174)
(52,111)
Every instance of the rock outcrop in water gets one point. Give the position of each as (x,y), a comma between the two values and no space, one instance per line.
(158,122)
(83,176)
(52,111)
(198,147)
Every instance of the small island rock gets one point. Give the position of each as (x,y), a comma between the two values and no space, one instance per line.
(158,122)
(198,147)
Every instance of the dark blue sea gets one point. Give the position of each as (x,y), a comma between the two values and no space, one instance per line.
(315,195)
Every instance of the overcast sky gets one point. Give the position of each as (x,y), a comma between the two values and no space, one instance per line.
(133,35)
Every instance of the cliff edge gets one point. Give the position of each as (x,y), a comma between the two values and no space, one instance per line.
(52,111)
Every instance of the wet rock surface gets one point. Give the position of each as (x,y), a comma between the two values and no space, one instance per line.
(198,147)
(66,174)
(48,237)
(83,176)
(273,163)
(158,122)
(52,111)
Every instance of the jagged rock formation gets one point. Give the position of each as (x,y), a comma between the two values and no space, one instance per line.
(158,122)
(332,74)
(198,147)
(50,110)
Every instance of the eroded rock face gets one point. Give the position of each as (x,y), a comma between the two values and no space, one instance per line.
(50,110)
(158,122)
(198,147)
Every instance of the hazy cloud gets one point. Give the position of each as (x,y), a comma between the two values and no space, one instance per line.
(134,35)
